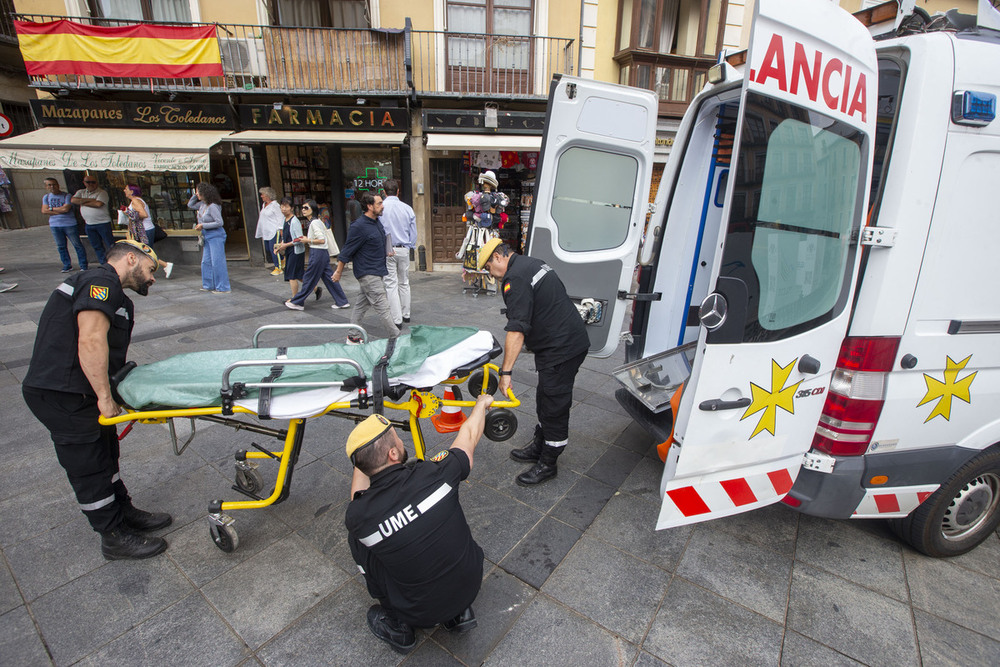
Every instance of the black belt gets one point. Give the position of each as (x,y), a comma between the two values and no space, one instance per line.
(400,246)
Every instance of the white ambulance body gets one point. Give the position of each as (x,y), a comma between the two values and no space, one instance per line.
(818,272)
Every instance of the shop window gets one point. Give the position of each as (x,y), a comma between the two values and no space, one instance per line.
(142,10)
(491,50)
(677,27)
(367,169)
(321,13)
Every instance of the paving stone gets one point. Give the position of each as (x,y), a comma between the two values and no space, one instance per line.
(111,599)
(634,437)
(647,660)
(941,587)
(628,523)
(328,533)
(848,550)
(430,654)
(583,502)
(614,589)
(314,488)
(334,632)
(500,602)
(19,643)
(264,594)
(541,551)
(644,480)
(35,511)
(10,596)
(696,627)
(44,563)
(984,559)
(614,466)
(773,527)
(858,622)
(745,573)
(188,633)
(802,651)
(187,496)
(498,522)
(945,643)
(603,424)
(549,634)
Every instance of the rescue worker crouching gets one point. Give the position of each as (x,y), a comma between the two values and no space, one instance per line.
(408,534)
(82,340)
(541,317)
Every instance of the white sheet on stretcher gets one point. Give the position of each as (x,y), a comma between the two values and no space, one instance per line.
(434,370)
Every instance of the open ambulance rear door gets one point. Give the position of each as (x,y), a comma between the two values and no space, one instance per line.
(592,197)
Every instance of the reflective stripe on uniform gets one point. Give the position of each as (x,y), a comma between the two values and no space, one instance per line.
(116,477)
(65,289)
(89,507)
(121,311)
(541,274)
(401,518)
(560,443)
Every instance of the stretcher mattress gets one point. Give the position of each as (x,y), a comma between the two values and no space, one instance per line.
(422,358)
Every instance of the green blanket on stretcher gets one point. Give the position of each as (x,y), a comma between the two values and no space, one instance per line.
(194,379)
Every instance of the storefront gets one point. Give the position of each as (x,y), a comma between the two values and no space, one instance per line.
(328,153)
(459,146)
(164,148)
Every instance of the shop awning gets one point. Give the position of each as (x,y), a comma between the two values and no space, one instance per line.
(440,141)
(106,148)
(316,137)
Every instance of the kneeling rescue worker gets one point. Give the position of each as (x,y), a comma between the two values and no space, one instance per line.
(82,341)
(408,534)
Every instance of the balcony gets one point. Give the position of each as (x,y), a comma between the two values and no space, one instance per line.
(333,61)
(674,79)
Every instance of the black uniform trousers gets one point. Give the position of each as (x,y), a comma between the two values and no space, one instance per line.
(554,396)
(87,451)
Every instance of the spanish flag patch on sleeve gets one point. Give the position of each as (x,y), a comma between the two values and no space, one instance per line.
(506,288)
(98,292)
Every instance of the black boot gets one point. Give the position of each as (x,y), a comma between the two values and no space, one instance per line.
(532,451)
(123,544)
(393,632)
(542,471)
(141,520)
(462,623)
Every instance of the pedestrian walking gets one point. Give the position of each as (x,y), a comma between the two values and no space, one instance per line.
(141,227)
(293,251)
(319,262)
(269,224)
(401,225)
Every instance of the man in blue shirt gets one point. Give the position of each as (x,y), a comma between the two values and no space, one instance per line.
(365,247)
(57,205)
(401,224)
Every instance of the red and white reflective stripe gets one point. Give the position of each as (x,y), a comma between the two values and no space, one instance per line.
(715,498)
(895,501)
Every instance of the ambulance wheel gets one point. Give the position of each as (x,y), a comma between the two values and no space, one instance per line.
(250,481)
(961,514)
(501,424)
(225,537)
(476,383)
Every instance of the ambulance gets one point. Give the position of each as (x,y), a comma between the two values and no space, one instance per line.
(815,316)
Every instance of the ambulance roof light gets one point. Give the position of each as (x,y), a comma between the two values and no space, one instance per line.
(969,107)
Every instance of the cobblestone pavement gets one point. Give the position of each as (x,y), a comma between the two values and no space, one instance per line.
(575,573)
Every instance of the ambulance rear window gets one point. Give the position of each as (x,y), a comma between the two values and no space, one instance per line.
(791,243)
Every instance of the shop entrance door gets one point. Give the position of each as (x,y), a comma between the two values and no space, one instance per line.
(447,207)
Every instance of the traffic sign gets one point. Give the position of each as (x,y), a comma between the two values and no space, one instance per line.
(6,127)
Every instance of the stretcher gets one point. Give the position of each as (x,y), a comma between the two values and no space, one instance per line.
(295,384)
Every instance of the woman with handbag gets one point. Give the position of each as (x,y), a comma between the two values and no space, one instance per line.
(214,273)
(319,239)
(294,253)
(140,225)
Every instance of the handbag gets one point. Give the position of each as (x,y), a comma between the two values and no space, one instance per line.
(331,243)
(158,233)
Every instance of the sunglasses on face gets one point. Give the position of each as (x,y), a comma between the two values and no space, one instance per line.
(306,208)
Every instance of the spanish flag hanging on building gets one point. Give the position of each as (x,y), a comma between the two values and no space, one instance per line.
(140,50)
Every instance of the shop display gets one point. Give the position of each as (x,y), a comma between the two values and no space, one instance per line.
(484,217)
(305,173)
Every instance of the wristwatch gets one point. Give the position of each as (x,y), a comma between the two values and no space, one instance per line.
(507,372)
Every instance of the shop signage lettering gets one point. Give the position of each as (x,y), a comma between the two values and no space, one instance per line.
(289,117)
(159,115)
(102,160)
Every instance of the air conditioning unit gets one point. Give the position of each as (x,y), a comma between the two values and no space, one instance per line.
(243,56)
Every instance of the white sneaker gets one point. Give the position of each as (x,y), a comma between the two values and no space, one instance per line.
(293,306)
(335,306)
(6,287)
(354,340)
(168,269)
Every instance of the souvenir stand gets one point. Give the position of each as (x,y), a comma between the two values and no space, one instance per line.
(483,217)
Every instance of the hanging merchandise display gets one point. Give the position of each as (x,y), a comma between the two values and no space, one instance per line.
(485,215)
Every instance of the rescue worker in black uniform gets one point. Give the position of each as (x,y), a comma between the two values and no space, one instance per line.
(408,534)
(82,340)
(542,318)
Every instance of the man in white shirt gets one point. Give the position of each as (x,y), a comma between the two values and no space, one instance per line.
(269,223)
(93,202)
(401,225)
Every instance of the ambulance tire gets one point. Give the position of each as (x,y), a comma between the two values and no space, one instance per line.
(941,526)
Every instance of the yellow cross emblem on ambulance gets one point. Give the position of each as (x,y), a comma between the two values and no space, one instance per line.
(942,392)
(779,396)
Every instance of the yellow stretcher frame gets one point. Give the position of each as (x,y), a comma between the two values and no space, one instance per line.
(419,405)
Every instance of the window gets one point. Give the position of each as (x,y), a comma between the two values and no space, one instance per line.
(793,249)
(321,13)
(142,10)
(491,51)
(677,27)
(592,198)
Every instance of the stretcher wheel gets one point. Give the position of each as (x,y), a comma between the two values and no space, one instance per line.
(250,480)
(476,383)
(225,537)
(501,424)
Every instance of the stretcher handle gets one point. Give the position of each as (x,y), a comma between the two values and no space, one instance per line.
(288,362)
(300,327)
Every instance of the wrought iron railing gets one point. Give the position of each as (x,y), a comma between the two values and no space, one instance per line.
(462,64)
(7,34)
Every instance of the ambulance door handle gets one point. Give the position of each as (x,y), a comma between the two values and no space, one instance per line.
(718,404)
(809,365)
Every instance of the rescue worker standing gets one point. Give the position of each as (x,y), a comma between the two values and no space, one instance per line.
(408,534)
(82,340)
(541,317)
